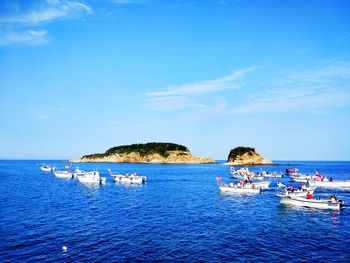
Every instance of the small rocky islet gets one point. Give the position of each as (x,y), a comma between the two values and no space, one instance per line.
(246,156)
(154,152)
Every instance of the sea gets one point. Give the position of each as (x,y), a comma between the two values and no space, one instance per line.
(178,215)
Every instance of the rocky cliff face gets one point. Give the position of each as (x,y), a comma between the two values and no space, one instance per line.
(246,156)
(135,157)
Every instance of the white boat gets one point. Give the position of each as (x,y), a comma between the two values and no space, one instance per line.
(240,190)
(63,174)
(91,178)
(77,172)
(262,185)
(314,203)
(242,171)
(272,175)
(244,174)
(329,183)
(126,178)
(292,172)
(301,178)
(46,168)
(302,192)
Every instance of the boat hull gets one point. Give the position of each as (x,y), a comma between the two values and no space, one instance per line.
(89,178)
(63,175)
(238,190)
(46,169)
(328,184)
(262,185)
(130,179)
(312,203)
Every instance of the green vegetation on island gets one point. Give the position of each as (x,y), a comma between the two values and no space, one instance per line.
(239,151)
(143,149)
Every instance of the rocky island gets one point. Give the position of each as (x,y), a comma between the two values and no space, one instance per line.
(246,156)
(146,153)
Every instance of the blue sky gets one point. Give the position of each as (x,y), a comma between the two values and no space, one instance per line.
(79,77)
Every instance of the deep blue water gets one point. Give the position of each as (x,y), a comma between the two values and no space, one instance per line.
(178,215)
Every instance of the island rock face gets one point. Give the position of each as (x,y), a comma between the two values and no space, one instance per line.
(146,153)
(246,156)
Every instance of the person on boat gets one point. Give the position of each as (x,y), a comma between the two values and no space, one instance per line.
(127,175)
(333,199)
(231,184)
(241,183)
(331,179)
(303,186)
(308,195)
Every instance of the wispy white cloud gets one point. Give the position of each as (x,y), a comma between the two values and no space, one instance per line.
(20,27)
(336,71)
(30,37)
(49,11)
(298,100)
(192,95)
(45,113)
(319,89)
(201,87)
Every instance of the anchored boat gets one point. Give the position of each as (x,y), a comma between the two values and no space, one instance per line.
(126,178)
(91,178)
(46,168)
(63,174)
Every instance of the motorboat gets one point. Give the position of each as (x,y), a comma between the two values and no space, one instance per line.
(329,183)
(272,175)
(236,188)
(244,171)
(92,177)
(46,168)
(77,172)
(126,178)
(240,190)
(300,178)
(262,185)
(314,203)
(291,191)
(292,172)
(63,174)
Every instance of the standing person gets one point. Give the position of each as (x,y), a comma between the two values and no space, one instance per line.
(308,195)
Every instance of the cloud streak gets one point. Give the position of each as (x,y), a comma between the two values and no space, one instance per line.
(323,88)
(21,27)
(30,37)
(191,95)
(317,90)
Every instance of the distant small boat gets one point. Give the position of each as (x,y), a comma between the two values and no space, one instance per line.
(91,178)
(63,174)
(314,203)
(46,168)
(292,172)
(132,179)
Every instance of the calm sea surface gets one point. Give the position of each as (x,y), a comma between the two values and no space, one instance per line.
(178,215)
